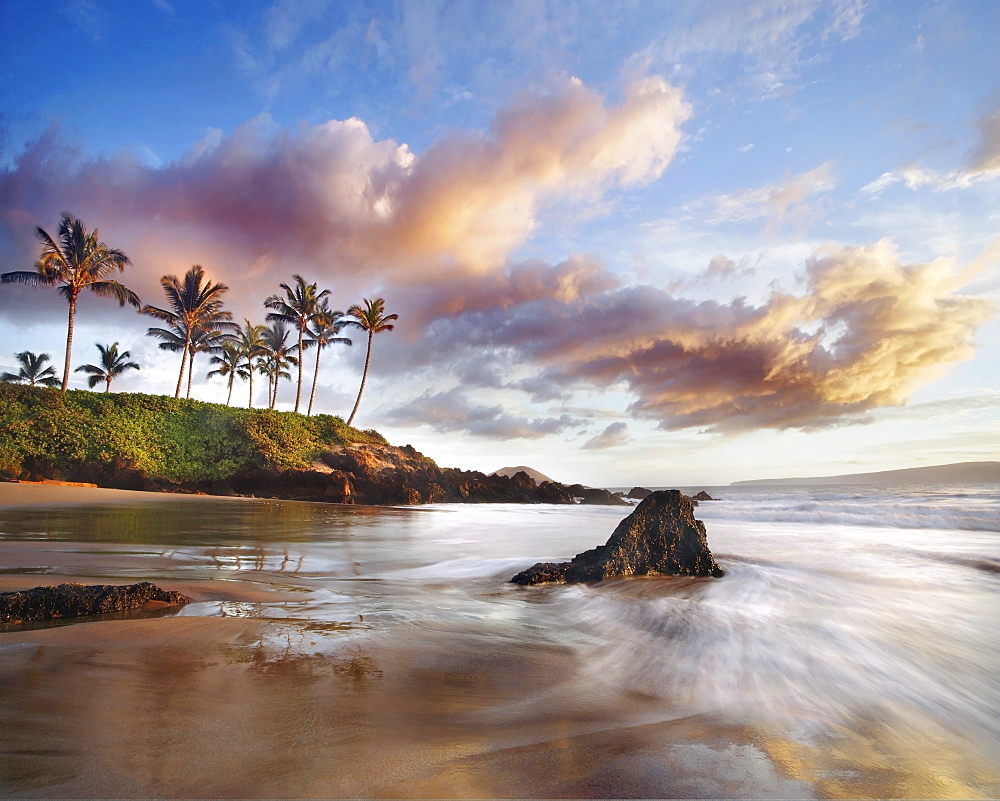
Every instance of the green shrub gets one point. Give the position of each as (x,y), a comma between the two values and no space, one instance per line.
(43,429)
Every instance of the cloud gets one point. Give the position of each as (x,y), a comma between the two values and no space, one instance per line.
(434,232)
(865,332)
(769,37)
(264,201)
(451,411)
(982,164)
(614,435)
(776,201)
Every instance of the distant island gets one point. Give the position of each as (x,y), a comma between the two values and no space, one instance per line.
(959,473)
(510,472)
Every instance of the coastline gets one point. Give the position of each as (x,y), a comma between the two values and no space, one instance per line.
(319,635)
(31,493)
(198,697)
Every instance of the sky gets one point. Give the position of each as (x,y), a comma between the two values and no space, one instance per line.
(629,243)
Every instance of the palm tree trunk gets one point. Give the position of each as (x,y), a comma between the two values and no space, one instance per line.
(190,371)
(312,392)
(250,379)
(69,340)
(229,397)
(180,376)
(107,385)
(298,387)
(364,377)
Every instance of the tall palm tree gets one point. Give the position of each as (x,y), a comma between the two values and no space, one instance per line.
(297,308)
(249,340)
(112,365)
(277,356)
(370,317)
(195,305)
(32,370)
(206,339)
(229,359)
(323,330)
(76,260)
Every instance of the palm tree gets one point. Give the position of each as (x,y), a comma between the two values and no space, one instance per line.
(373,319)
(77,261)
(323,330)
(195,309)
(297,308)
(277,356)
(229,359)
(112,365)
(204,339)
(32,370)
(249,341)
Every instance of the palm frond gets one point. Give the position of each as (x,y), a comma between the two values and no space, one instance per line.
(116,290)
(25,277)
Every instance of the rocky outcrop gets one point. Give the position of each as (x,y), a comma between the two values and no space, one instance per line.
(638,493)
(703,496)
(660,538)
(359,473)
(371,473)
(80,600)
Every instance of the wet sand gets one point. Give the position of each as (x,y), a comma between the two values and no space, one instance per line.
(214,707)
(230,705)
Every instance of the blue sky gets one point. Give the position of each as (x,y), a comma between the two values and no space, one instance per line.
(629,243)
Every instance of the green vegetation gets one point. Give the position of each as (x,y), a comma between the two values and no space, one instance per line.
(194,321)
(371,318)
(75,261)
(32,370)
(44,430)
(112,365)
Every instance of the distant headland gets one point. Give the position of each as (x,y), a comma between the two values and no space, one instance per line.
(510,472)
(959,473)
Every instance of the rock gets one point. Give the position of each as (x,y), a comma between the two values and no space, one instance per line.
(660,538)
(602,497)
(522,480)
(638,493)
(590,495)
(79,600)
(537,476)
(703,496)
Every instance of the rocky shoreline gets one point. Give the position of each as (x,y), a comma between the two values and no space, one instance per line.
(661,537)
(359,473)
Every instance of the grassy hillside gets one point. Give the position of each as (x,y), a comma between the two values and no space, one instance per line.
(44,431)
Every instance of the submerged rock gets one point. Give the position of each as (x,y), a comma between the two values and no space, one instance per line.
(660,538)
(703,496)
(80,600)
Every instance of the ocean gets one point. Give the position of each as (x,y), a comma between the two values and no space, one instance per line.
(851,650)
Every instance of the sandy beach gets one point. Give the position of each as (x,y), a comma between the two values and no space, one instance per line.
(232,706)
(270,684)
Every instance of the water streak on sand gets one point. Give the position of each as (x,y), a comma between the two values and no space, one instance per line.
(839,656)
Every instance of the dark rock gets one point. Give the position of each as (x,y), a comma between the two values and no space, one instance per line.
(358,473)
(551,492)
(638,493)
(79,600)
(660,538)
(300,485)
(602,497)
(703,496)
(523,481)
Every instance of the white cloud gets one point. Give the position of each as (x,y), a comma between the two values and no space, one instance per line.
(615,435)
(982,164)
(775,201)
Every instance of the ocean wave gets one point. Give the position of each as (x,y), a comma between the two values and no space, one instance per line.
(984,516)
